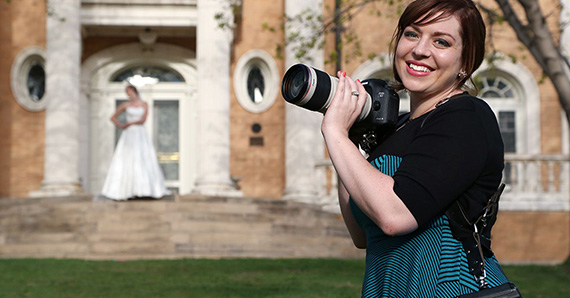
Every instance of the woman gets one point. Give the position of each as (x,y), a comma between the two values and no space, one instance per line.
(449,147)
(134,170)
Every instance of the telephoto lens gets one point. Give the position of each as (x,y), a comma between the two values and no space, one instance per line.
(313,89)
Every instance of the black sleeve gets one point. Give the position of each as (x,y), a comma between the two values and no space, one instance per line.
(455,151)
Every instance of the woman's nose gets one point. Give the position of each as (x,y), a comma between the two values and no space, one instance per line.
(421,48)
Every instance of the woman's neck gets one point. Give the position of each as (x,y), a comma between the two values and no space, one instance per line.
(420,104)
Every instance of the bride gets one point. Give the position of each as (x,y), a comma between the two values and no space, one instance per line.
(134,171)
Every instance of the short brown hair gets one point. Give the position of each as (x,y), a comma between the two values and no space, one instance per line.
(133,88)
(422,12)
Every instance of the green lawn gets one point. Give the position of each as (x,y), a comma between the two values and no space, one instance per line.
(223,278)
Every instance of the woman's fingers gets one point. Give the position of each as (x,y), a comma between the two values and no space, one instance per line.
(363,94)
(347,103)
(357,94)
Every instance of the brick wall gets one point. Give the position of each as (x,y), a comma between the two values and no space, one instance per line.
(22,136)
(531,237)
(6,100)
(260,168)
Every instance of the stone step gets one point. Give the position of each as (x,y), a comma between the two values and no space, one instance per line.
(189,226)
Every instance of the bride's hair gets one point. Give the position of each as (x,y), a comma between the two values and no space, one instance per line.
(133,88)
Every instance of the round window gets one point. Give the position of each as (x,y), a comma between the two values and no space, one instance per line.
(36,82)
(255,85)
(28,79)
(256,81)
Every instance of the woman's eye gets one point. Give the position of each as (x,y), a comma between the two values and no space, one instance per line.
(442,42)
(410,34)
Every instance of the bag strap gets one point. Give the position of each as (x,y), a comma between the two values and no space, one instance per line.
(459,222)
(472,241)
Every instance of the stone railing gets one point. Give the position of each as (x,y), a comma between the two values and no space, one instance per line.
(534,183)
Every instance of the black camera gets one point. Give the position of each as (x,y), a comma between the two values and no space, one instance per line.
(314,89)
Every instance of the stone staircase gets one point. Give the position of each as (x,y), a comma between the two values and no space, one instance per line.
(176,227)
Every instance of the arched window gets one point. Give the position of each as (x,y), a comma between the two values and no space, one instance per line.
(503,94)
(144,74)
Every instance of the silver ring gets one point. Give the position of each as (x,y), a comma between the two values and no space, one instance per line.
(355,93)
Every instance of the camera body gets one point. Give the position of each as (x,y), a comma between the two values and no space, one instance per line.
(314,89)
(384,108)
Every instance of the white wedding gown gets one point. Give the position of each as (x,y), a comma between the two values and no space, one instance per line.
(134,169)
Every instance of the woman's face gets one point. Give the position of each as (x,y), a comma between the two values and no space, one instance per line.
(428,57)
(131,93)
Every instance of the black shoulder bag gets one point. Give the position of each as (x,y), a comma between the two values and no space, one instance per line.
(477,247)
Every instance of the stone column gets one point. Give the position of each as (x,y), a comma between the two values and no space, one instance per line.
(303,139)
(213,56)
(61,167)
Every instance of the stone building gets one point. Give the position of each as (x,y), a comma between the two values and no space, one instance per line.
(219,123)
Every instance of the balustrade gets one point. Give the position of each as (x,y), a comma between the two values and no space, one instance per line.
(536,182)
(533,183)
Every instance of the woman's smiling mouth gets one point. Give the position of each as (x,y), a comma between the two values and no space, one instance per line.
(416,67)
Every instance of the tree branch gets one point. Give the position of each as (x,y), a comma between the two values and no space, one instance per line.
(521,30)
(549,55)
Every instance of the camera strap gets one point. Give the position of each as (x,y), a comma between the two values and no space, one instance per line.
(470,233)
(403,119)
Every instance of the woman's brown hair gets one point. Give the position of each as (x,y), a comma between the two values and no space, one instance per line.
(472,30)
(133,88)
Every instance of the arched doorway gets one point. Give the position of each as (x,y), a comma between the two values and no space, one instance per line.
(171,116)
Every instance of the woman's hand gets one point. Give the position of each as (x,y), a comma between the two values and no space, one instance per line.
(371,190)
(345,107)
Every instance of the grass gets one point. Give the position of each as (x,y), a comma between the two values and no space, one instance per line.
(223,278)
(541,281)
(181,278)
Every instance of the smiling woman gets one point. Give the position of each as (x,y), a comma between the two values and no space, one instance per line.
(426,58)
(446,152)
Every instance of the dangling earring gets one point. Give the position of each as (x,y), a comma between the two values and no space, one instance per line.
(461,74)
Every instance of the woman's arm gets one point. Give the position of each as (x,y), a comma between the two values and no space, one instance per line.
(118,112)
(356,233)
(370,189)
